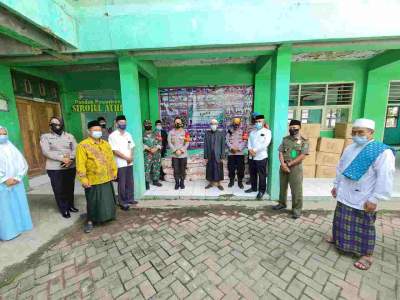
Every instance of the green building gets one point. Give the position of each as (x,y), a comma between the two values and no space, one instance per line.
(319,61)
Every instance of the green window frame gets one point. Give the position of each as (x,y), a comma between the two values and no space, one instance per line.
(321,103)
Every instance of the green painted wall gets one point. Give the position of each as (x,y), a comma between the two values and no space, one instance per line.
(56,17)
(376,100)
(10,119)
(144,98)
(75,82)
(206,75)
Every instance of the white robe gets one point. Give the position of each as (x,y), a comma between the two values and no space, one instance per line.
(12,163)
(376,184)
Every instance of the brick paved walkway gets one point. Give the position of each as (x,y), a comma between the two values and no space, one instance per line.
(210,253)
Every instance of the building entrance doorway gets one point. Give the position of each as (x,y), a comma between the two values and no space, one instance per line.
(34,121)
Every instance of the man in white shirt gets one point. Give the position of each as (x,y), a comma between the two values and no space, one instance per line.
(122,145)
(364,176)
(258,143)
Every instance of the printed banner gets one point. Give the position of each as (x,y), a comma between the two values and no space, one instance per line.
(198,105)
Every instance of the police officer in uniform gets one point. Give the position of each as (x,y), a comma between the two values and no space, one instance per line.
(59,148)
(292,152)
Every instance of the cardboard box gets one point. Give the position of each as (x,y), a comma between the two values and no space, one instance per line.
(310,130)
(330,145)
(310,159)
(325,172)
(327,159)
(312,143)
(309,171)
(343,130)
(347,142)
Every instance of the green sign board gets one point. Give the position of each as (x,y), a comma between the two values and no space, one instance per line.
(84,105)
(94,101)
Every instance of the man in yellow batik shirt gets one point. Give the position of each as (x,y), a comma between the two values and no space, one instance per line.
(96,169)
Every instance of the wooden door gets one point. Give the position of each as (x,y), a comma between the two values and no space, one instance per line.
(34,121)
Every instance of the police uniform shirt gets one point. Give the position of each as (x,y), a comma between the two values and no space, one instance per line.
(56,147)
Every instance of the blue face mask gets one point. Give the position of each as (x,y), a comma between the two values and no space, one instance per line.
(259,125)
(96,134)
(122,126)
(3,139)
(360,140)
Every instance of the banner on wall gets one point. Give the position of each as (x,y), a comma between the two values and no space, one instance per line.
(97,101)
(198,105)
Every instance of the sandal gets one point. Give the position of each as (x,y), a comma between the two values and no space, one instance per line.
(329,240)
(363,264)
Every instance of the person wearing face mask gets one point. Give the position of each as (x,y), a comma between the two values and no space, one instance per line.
(164,145)
(292,152)
(236,144)
(178,143)
(96,169)
(152,154)
(259,140)
(105,131)
(122,145)
(15,217)
(59,148)
(214,152)
(364,176)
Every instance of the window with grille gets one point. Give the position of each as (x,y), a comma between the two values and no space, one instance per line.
(321,103)
(393,110)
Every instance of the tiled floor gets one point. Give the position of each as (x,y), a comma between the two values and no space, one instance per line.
(313,188)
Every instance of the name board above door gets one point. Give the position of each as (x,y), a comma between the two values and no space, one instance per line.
(97,101)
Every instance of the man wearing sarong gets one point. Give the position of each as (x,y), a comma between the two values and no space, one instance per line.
(96,169)
(214,152)
(364,176)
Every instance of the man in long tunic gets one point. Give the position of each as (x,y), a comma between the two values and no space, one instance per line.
(96,169)
(152,144)
(214,152)
(364,176)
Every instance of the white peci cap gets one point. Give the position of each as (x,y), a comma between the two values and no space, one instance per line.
(364,123)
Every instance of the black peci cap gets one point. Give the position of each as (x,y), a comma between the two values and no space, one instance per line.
(93,124)
(294,122)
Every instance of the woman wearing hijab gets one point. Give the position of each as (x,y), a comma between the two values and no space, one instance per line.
(15,217)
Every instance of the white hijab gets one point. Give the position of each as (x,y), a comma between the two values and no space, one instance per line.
(12,163)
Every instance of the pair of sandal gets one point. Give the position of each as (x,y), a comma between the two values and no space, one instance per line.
(364,263)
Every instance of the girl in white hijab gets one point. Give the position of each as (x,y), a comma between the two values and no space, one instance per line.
(14,210)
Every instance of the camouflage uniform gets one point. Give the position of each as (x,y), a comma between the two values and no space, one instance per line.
(291,148)
(152,162)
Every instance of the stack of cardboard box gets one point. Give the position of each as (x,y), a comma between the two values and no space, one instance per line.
(329,151)
(311,132)
(343,131)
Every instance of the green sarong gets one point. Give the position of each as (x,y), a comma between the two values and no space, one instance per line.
(100,199)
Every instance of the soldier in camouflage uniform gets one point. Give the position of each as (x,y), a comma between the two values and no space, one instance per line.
(292,152)
(152,145)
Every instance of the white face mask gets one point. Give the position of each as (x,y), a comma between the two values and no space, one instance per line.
(96,134)
(159,127)
(214,127)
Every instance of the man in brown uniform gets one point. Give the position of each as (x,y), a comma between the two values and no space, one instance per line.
(292,152)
